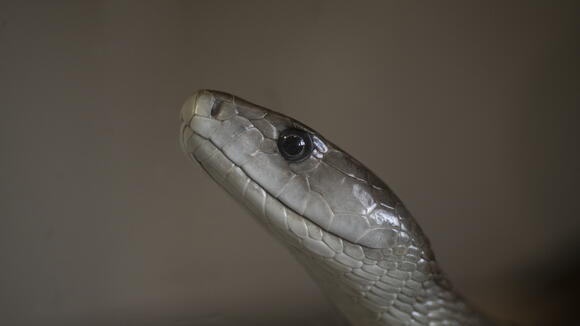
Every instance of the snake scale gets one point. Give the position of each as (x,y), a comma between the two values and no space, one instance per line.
(353,235)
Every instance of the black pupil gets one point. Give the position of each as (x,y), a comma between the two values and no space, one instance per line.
(294,144)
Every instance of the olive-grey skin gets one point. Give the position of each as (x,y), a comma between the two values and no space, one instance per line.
(347,228)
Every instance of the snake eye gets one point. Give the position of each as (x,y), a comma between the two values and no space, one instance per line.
(295,145)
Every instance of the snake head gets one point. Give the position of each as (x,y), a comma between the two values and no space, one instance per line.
(267,160)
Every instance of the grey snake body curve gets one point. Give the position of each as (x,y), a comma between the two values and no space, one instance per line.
(353,235)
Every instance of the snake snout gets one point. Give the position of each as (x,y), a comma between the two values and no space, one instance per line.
(213,116)
(208,104)
(198,104)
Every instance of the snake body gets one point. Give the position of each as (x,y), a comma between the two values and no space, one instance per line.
(353,235)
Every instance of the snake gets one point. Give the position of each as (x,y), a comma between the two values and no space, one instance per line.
(341,222)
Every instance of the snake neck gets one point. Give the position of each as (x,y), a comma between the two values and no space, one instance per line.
(388,287)
(402,285)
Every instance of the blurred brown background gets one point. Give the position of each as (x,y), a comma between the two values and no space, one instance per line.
(469,110)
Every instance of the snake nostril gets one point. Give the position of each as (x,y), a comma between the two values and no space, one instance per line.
(215,110)
(223,110)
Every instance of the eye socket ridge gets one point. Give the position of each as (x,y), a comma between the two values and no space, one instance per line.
(295,145)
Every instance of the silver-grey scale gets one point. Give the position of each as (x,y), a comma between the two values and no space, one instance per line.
(348,229)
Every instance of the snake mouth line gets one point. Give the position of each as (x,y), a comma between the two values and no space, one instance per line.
(220,179)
